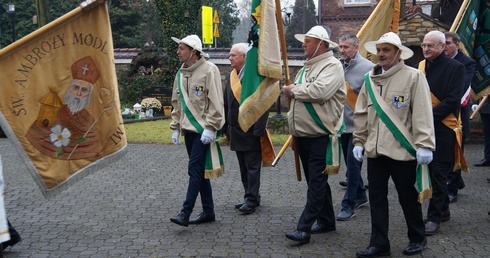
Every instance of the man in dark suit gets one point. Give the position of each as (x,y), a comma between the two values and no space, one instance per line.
(246,144)
(485,120)
(445,77)
(455,181)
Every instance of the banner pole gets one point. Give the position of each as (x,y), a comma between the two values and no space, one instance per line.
(287,79)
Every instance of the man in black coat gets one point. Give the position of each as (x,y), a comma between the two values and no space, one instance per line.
(246,144)
(455,181)
(485,120)
(445,77)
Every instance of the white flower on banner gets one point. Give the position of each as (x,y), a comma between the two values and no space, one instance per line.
(60,137)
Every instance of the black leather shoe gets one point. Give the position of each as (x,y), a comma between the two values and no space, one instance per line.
(431,228)
(203,218)
(246,209)
(461,184)
(319,228)
(414,248)
(445,215)
(238,205)
(372,252)
(181,219)
(452,198)
(343,183)
(299,236)
(483,163)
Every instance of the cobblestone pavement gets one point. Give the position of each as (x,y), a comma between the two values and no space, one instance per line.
(124,211)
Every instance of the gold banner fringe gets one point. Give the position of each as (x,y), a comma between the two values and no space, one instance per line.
(258,103)
(215,173)
(332,170)
(425,195)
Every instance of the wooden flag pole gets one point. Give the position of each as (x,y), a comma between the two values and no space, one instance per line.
(287,79)
(483,100)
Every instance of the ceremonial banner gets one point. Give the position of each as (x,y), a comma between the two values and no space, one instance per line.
(473,26)
(262,70)
(384,18)
(60,102)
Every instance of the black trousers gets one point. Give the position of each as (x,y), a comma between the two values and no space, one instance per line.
(439,202)
(250,164)
(403,174)
(319,207)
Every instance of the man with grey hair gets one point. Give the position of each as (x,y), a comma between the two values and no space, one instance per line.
(355,67)
(445,77)
(247,145)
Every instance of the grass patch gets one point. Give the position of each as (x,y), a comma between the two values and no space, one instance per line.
(158,131)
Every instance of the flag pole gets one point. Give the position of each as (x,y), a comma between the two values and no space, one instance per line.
(483,100)
(287,79)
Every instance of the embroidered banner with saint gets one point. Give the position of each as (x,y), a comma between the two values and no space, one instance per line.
(60,102)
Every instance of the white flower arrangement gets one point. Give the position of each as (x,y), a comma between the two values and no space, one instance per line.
(152,103)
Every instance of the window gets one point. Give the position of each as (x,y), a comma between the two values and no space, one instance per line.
(357,1)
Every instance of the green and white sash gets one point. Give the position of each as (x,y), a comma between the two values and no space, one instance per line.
(398,129)
(214,167)
(334,147)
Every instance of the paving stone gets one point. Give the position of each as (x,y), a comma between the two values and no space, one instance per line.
(124,211)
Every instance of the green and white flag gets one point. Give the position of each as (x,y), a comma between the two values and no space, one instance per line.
(473,26)
(263,70)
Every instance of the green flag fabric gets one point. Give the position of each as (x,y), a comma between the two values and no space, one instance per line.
(262,70)
(473,26)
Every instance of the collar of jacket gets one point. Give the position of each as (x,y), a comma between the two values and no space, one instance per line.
(319,58)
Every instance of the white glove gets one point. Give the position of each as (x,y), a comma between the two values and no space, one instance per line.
(207,136)
(358,153)
(473,107)
(424,156)
(175,137)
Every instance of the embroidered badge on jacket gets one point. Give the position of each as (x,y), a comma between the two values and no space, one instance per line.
(198,90)
(398,101)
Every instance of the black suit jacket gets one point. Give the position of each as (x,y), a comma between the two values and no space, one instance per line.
(445,77)
(240,140)
(469,65)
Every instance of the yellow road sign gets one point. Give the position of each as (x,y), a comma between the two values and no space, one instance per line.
(216,31)
(216,17)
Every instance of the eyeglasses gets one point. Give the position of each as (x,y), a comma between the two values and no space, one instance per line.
(429,45)
(449,42)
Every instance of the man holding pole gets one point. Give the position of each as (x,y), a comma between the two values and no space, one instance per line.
(315,120)
(485,120)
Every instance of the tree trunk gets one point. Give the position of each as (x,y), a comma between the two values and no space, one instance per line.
(41,13)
